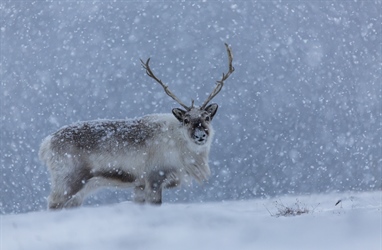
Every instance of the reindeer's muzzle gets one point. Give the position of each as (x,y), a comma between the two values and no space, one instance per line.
(200,135)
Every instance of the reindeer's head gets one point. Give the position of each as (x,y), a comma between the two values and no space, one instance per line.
(196,119)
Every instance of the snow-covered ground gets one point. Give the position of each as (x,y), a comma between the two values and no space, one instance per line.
(354,223)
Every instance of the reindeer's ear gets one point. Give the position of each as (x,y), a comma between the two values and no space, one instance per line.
(211,109)
(178,113)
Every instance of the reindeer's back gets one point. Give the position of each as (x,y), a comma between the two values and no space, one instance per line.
(105,135)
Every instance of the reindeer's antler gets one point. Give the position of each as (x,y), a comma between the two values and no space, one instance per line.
(150,73)
(220,83)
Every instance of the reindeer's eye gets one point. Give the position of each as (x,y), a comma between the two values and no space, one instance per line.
(208,118)
(186,121)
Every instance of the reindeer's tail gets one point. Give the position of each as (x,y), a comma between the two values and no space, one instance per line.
(45,152)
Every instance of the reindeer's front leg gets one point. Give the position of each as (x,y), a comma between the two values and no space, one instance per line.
(156,181)
(154,196)
(153,189)
(139,194)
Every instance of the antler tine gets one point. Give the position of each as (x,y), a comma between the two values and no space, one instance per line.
(220,83)
(150,73)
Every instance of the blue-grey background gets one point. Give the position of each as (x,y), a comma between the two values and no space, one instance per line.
(301,113)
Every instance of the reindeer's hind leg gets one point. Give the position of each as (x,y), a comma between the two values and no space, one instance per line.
(90,185)
(99,179)
(56,199)
(66,186)
(59,198)
(59,194)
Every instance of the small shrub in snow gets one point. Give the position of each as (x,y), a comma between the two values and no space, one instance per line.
(296,209)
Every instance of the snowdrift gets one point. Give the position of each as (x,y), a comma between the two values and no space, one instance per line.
(316,222)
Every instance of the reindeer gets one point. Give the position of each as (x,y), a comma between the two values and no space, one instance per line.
(148,154)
